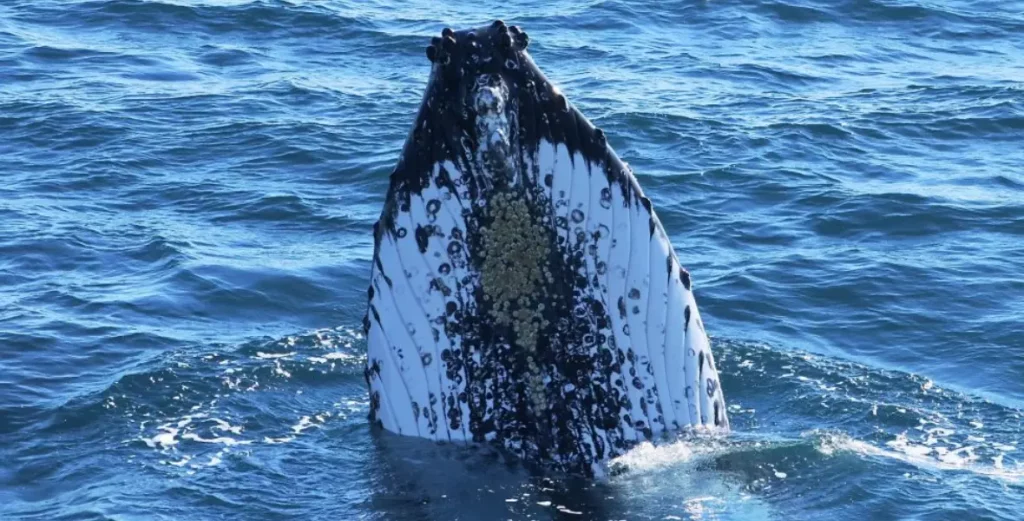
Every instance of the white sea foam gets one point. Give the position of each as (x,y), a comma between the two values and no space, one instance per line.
(925,457)
(261,354)
(647,456)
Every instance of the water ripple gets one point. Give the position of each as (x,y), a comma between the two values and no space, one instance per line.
(190,183)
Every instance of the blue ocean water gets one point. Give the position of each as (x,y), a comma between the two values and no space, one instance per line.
(188,190)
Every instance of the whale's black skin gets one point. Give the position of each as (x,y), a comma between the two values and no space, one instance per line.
(528,346)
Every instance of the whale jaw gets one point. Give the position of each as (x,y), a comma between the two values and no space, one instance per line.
(523,291)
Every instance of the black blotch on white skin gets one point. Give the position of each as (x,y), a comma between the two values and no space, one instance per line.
(422,237)
(684,276)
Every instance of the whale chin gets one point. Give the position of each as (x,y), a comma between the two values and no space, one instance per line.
(523,291)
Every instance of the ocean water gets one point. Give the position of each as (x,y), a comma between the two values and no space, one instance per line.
(186,199)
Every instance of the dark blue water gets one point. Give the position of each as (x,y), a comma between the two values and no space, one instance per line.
(185,209)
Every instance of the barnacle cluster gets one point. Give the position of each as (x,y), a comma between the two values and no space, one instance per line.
(516,250)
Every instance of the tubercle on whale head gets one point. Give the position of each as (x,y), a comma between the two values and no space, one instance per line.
(496,37)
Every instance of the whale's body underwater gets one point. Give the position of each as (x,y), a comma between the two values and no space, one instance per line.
(523,291)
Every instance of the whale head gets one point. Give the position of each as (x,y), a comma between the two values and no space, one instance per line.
(523,291)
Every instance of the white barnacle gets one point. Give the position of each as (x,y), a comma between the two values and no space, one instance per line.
(514,267)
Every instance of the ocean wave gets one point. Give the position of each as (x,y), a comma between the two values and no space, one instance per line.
(796,13)
(870,412)
(189,182)
(265,17)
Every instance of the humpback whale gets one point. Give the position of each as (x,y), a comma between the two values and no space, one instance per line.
(523,292)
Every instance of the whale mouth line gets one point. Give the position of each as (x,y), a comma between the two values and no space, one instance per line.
(523,291)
